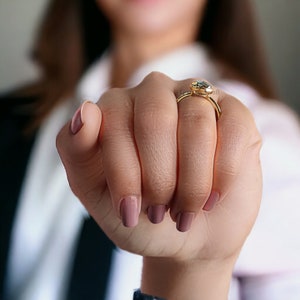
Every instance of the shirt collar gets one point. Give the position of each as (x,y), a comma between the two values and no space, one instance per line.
(189,61)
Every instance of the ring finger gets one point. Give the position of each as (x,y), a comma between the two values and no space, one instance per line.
(196,149)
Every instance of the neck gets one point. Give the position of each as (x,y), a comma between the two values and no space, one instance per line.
(132,51)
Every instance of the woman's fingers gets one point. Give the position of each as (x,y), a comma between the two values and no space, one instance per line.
(138,142)
(210,151)
(155,129)
(120,155)
(196,149)
(154,153)
(238,138)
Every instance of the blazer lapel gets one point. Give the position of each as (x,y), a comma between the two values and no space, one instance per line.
(15,149)
(92,264)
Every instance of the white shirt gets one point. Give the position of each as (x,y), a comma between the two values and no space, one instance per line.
(269,264)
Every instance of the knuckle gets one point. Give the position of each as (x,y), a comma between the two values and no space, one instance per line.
(162,186)
(156,76)
(257,141)
(62,143)
(159,189)
(110,94)
(243,135)
(154,120)
(196,194)
(228,168)
(191,116)
(58,141)
(114,134)
(110,101)
(197,117)
(236,135)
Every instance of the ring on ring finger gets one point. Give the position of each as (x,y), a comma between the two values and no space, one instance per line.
(202,89)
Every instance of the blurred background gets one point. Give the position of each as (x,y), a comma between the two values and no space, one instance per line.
(278,20)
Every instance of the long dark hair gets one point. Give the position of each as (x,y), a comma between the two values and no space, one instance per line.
(74,33)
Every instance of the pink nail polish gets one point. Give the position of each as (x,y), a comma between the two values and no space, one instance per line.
(184,221)
(156,213)
(129,211)
(76,123)
(211,201)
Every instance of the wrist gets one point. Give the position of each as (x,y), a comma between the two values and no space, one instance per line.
(191,280)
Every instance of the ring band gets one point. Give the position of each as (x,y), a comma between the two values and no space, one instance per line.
(202,89)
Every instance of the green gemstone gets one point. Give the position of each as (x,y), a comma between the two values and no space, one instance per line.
(201,86)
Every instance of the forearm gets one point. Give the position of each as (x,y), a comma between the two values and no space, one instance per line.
(181,281)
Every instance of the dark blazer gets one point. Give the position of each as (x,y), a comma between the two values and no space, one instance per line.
(93,254)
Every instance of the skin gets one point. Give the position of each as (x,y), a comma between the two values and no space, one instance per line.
(165,180)
(133,144)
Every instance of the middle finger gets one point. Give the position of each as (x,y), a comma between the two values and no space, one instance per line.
(155,129)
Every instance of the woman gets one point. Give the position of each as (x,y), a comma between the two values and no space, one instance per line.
(138,47)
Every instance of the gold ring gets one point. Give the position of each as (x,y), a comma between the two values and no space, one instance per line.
(202,89)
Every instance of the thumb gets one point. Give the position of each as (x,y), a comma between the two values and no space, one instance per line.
(78,146)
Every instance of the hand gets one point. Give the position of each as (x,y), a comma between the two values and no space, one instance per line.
(137,154)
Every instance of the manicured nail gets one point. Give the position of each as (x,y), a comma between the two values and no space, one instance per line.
(211,201)
(76,123)
(156,213)
(129,211)
(184,221)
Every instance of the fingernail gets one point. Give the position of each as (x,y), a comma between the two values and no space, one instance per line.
(211,201)
(184,221)
(76,123)
(156,213)
(129,211)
